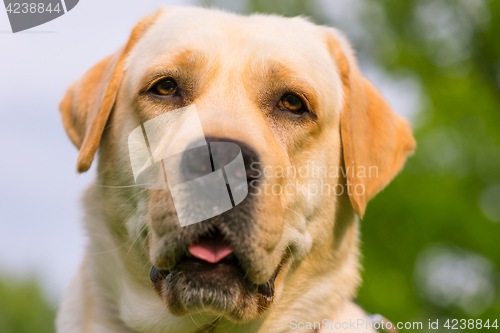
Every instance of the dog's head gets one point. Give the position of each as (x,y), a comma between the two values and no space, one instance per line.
(317,139)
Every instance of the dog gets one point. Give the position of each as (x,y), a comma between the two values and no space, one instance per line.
(289,93)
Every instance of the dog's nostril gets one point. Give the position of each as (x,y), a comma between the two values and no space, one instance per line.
(252,172)
(197,162)
(225,151)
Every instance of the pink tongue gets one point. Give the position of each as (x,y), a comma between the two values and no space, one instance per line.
(210,251)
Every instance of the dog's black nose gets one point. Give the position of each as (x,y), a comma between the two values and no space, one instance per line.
(222,152)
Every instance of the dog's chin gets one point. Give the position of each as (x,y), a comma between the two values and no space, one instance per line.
(221,289)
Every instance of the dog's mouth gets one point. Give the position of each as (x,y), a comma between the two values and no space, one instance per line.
(210,274)
(208,251)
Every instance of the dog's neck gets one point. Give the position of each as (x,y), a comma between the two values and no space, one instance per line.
(121,296)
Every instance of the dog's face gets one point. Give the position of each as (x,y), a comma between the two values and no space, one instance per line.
(289,94)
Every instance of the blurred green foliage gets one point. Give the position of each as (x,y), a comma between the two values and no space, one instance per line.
(452,48)
(24,307)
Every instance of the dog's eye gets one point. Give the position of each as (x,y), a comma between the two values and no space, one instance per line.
(292,103)
(165,87)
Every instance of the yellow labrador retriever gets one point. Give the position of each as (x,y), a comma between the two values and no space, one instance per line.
(318,142)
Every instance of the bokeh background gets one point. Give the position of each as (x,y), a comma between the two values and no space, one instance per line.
(430,241)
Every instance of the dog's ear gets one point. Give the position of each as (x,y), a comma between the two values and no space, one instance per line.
(375,140)
(88,102)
